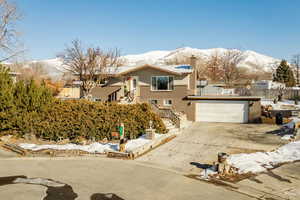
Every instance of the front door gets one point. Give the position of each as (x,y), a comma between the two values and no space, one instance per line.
(134,85)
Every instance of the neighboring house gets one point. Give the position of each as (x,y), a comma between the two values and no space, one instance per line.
(214,90)
(14,76)
(70,91)
(174,87)
(267,85)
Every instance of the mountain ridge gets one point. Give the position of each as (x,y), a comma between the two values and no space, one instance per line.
(251,59)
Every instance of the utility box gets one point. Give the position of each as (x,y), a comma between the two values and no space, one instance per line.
(150,134)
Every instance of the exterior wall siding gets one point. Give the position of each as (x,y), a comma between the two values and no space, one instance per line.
(183,86)
(177,96)
(254,111)
(73,93)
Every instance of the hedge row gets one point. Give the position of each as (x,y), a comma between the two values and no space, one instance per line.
(90,120)
(30,109)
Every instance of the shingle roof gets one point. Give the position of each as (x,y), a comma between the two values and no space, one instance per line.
(178,69)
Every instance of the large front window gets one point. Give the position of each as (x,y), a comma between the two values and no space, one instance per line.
(161,83)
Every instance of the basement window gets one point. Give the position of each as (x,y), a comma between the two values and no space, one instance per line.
(168,102)
(153,101)
(97,99)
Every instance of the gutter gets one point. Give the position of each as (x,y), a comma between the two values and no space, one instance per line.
(234,98)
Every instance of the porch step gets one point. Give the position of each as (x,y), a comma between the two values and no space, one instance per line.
(167,122)
(169,125)
(173,130)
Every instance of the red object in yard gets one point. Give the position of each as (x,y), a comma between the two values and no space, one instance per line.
(115,134)
(129,78)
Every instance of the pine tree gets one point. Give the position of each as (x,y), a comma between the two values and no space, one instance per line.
(284,74)
(6,99)
(20,96)
(6,89)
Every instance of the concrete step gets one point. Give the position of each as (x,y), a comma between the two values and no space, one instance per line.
(173,130)
(167,122)
(170,127)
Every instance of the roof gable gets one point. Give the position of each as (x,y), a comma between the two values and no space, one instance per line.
(171,69)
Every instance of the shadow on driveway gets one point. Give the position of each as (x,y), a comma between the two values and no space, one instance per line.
(201,166)
(55,190)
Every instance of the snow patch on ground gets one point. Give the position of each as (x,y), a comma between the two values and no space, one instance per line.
(91,148)
(278,105)
(261,161)
(287,137)
(133,144)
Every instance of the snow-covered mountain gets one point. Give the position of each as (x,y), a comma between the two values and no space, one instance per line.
(251,60)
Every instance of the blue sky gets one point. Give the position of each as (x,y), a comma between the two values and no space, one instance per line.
(271,27)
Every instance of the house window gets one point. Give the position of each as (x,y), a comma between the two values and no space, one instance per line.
(162,83)
(168,102)
(134,83)
(153,101)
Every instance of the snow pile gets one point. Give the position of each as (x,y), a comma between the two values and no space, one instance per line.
(133,144)
(277,106)
(287,137)
(261,161)
(91,148)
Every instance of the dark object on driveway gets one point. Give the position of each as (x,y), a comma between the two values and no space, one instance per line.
(108,196)
(201,166)
(61,192)
(285,113)
(279,118)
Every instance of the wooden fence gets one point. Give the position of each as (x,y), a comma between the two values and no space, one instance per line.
(268,94)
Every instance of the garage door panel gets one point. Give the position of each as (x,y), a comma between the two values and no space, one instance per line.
(222,111)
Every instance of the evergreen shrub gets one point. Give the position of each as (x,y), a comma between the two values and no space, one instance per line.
(28,108)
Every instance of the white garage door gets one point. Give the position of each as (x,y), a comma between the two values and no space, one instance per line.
(222,111)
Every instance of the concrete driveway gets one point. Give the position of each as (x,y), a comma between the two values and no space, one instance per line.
(90,178)
(200,143)
(280,183)
(158,174)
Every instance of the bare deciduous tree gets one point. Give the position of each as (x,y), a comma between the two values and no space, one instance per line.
(224,67)
(201,64)
(33,70)
(229,65)
(212,68)
(8,34)
(218,66)
(296,64)
(91,65)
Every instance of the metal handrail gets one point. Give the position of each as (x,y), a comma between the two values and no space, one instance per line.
(167,113)
(130,95)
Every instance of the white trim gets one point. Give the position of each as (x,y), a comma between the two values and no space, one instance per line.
(151,85)
(165,100)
